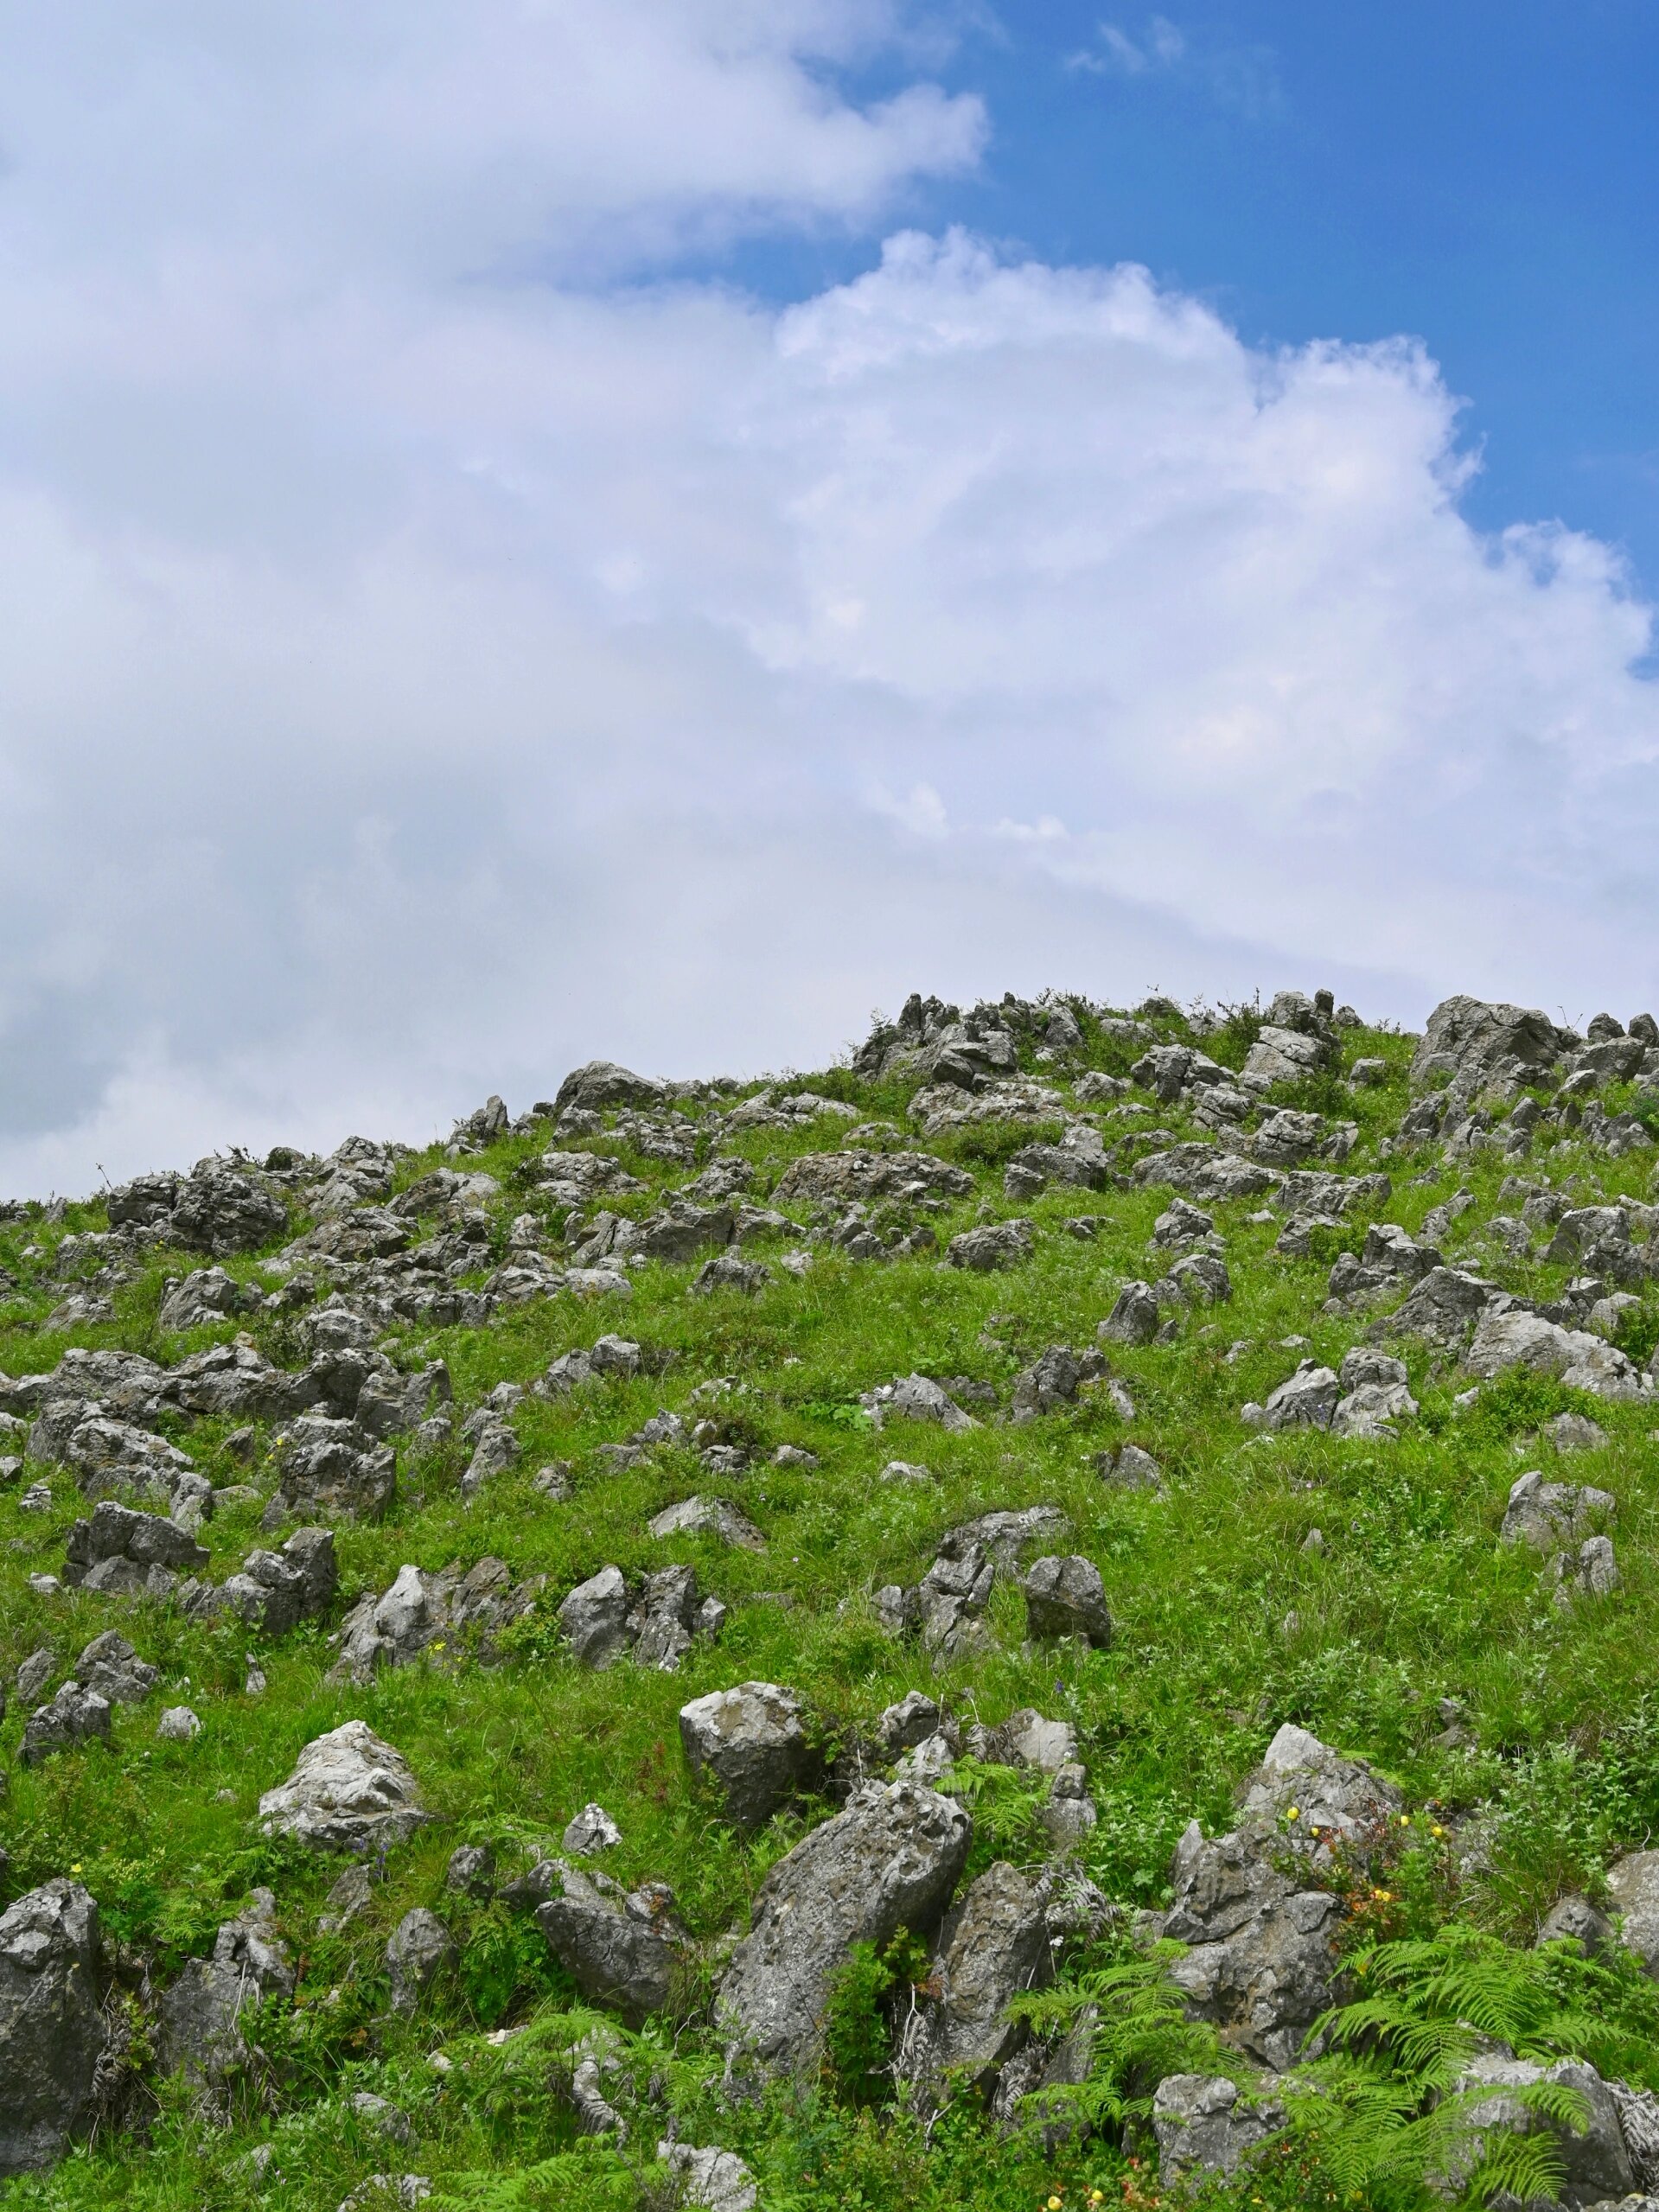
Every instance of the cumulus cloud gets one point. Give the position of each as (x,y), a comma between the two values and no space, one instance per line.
(427,666)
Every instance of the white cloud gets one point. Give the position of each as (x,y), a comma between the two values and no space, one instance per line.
(1242,78)
(412,683)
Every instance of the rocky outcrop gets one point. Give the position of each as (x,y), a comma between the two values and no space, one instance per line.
(622,1948)
(1064,1596)
(125,1553)
(1204,2124)
(1475,1041)
(418,1950)
(51,2031)
(199,2013)
(420,1611)
(274,1591)
(992,1947)
(890,1859)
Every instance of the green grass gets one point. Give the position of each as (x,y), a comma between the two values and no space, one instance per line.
(1225,1628)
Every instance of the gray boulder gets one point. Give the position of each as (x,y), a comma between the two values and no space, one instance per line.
(728,1271)
(208,1295)
(418,1949)
(592,1830)
(594,1618)
(999,1244)
(1127,1467)
(350,1791)
(107,1454)
(1575,1920)
(1287,1138)
(1201,1280)
(1594,2160)
(1549,1515)
(1135,1318)
(1307,1399)
(917,1398)
(1443,1308)
(622,1947)
(274,1591)
(1205,2125)
(710,2180)
(1064,1596)
(1373,1411)
(1027,1739)
(890,1859)
(332,1471)
(702,1516)
(1476,1040)
(1591,1570)
(601,1084)
(1338,1802)
(1261,1963)
(1052,1381)
(74,1715)
(1633,1887)
(471,1872)
(111,1668)
(200,2012)
(1518,1339)
(52,2032)
(221,1210)
(421,1610)
(750,1742)
(992,1947)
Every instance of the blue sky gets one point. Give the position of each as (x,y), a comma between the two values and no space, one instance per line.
(1484,176)
(651,527)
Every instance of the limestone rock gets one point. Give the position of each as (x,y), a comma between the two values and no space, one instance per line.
(200,2012)
(622,1948)
(1051,1382)
(999,1244)
(274,1591)
(592,1830)
(1064,1596)
(1633,1886)
(52,2031)
(751,1743)
(332,1471)
(1548,1515)
(350,1791)
(1204,2124)
(701,1516)
(890,1859)
(112,1669)
(75,1715)
(601,1084)
(1307,1399)
(1260,1961)
(711,2180)
(419,1948)
(1136,1317)
(1475,1040)
(993,1946)
(1595,2162)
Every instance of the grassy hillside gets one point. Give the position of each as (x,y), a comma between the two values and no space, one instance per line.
(1523,1733)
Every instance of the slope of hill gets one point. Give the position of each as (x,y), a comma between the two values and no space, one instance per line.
(1066,1607)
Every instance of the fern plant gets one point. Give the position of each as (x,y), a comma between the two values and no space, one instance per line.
(1383,2112)
(1135,2020)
